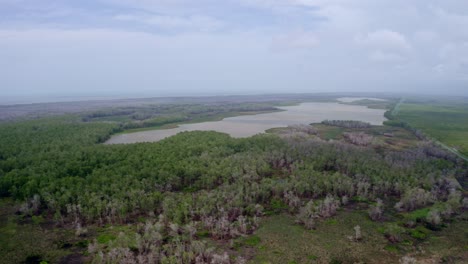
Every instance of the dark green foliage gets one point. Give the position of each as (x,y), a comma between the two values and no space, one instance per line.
(33,259)
(83,244)
(346,123)
(277,205)
(206,184)
(105,238)
(76,178)
(420,233)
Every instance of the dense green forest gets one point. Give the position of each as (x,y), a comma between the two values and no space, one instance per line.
(200,197)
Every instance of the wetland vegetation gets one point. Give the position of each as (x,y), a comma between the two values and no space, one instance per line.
(253,122)
(331,192)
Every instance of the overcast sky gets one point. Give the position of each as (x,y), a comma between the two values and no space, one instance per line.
(200,47)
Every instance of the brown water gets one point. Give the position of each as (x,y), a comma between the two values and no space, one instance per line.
(249,125)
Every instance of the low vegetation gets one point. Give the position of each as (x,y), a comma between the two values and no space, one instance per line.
(346,123)
(204,197)
(137,118)
(443,120)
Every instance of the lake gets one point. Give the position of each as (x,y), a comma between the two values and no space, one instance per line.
(249,125)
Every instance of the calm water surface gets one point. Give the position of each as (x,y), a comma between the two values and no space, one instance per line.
(249,125)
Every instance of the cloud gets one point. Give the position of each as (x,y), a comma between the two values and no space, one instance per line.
(384,39)
(295,40)
(382,56)
(196,23)
(232,44)
(452,23)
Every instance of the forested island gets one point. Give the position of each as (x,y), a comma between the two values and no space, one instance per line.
(339,191)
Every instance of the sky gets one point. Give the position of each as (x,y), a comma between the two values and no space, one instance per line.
(220,47)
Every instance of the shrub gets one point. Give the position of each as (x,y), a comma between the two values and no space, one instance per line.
(357,234)
(414,199)
(433,217)
(376,211)
(407,260)
(393,233)
(307,215)
(419,233)
(358,138)
(347,123)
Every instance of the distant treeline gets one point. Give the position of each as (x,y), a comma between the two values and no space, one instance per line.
(159,115)
(347,123)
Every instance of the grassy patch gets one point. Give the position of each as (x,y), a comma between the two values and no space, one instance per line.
(373,104)
(105,238)
(329,132)
(420,233)
(29,243)
(276,206)
(391,248)
(445,121)
(252,241)
(450,243)
(111,232)
(283,241)
(417,215)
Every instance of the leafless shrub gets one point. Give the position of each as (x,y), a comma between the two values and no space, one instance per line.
(408,260)
(433,217)
(414,199)
(150,246)
(454,199)
(393,233)
(312,211)
(358,138)
(220,259)
(344,200)
(328,207)
(80,231)
(32,206)
(465,203)
(293,201)
(357,233)
(258,210)
(307,215)
(224,228)
(376,211)
(307,129)
(347,123)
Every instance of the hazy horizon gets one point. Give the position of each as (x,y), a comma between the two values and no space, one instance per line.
(122,48)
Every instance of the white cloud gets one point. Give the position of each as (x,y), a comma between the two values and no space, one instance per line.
(385,40)
(343,18)
(452,23)
(139,43)
(195,23)
(439,69)
(381,56)
(426,36)
(295,40)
